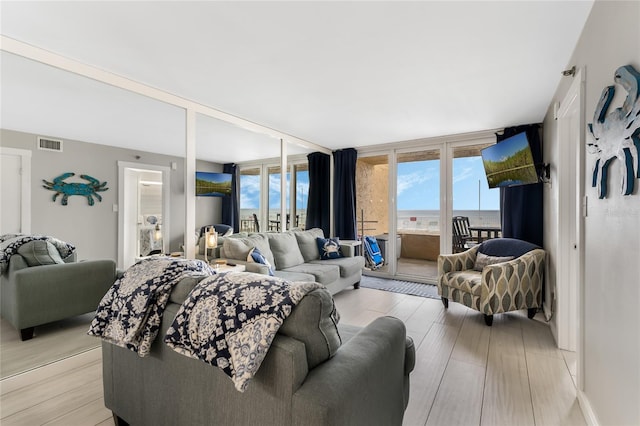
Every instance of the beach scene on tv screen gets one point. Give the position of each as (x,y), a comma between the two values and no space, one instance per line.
(213,184)
(509,162)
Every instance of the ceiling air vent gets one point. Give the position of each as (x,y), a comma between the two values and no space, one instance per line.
(47,144)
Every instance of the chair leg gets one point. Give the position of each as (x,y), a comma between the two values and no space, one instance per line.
(445,302)
(531,312)
(488,319)
(26,333)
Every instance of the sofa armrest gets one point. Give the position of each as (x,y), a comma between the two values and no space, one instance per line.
(457,261)
(531,265)
(257,268)
(362,384)
(347,250)
(41,294)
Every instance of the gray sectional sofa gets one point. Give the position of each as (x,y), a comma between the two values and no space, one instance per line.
(294,256)
(316,372)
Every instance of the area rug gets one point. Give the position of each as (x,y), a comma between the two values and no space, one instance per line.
(51,342)
(397,286)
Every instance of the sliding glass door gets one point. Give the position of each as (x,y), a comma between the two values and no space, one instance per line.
(372,203)
(250,200)
(407,199)
(299,204)
(418,213)
(260,186)
(472,197)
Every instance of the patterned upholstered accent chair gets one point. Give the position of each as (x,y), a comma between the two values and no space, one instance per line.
(499,275)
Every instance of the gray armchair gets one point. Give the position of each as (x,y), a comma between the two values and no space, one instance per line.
(36,295)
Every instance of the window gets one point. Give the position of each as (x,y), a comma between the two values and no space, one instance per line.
(249,200)
(471,194)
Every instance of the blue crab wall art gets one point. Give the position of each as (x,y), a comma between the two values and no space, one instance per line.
(617,134)
(88,190)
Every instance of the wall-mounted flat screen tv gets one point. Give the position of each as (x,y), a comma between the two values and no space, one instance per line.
(210,184)
(510,162)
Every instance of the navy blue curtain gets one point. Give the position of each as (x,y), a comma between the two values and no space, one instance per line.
(344,193)
(231,203)
(521,206)
(318,202)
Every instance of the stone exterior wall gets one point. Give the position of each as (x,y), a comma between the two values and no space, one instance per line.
(372,189)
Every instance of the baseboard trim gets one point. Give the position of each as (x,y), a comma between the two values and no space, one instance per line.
(587,410)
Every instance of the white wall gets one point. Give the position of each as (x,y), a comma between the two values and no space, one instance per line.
(94,229)
(611,287)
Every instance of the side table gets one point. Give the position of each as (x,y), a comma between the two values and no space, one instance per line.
(354,244)
(222,266)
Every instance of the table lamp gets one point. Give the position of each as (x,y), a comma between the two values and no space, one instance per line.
(210,240)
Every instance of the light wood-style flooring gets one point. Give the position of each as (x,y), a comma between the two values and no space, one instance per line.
(465,374)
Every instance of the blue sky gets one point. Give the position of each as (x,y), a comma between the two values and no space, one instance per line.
(418,187)
(250,193)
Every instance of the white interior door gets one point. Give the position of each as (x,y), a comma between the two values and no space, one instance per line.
(129,210)
(570,220)
(15,190)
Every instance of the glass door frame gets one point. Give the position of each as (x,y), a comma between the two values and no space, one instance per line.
(264,166)
(438,145)
(446,145)
(446,248)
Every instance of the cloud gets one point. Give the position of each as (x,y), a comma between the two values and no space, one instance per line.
(408,181)
(465,173)
(250,192)
(249,201)
(302,189)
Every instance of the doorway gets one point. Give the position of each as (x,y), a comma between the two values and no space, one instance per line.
(143,213)
(15,187)
(570,225)
(418,214)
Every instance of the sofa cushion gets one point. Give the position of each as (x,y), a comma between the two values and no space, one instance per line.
(348,265)
(483,260)
(257,257)
(307,243)
(39,252)
(238,248)
(284,247)
(329,248)
(294,276)
(314,321)
(323,273)
(506,247)
(468,281)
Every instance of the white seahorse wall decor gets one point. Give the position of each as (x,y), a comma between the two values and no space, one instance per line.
(617,134)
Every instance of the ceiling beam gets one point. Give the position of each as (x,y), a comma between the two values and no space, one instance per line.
(44,56)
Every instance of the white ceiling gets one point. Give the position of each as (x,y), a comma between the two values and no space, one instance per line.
(338,74)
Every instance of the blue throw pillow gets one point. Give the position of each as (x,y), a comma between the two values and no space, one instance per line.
(256,256)
(506,247)
(329,248)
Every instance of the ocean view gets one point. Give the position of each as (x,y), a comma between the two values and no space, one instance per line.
(416,220)
(429,220)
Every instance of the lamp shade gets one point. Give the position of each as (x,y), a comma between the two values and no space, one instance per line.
(211,238)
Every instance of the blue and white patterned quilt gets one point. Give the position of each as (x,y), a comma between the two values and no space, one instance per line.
(129,315)
(229,320)
(10,243)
